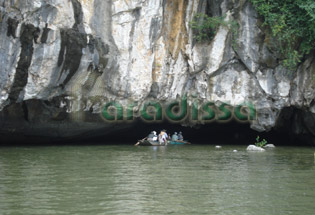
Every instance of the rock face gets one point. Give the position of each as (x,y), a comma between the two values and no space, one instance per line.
(62,59)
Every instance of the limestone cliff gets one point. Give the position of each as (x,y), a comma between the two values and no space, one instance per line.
(62,59)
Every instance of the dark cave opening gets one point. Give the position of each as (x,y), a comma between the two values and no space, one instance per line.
(27,126)
(232,133)
(21,125)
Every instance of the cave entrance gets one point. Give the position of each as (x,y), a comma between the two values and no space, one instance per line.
(231,133)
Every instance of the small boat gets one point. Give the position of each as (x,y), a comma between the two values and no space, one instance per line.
(147,142)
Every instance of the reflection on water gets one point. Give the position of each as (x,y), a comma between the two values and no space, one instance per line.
(156,180)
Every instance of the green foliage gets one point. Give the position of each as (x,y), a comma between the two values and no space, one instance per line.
(292,23)
(205,27)
(260,143)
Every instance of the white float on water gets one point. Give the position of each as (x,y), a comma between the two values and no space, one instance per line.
(218,147)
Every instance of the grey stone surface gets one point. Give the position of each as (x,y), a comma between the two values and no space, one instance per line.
(269,146)
(255,148)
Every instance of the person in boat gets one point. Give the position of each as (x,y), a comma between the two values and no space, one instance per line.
(175,137)
(163,137)
(152,136)
(155,137)
(180,136)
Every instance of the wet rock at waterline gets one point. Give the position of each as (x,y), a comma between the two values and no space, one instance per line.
(62,60)
(271,146)
(255,148)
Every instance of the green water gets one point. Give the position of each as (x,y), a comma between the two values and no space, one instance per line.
(181,180)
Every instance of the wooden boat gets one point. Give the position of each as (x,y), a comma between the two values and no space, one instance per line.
(147,142)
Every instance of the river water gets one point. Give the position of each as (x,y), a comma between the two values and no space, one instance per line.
(124,179)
